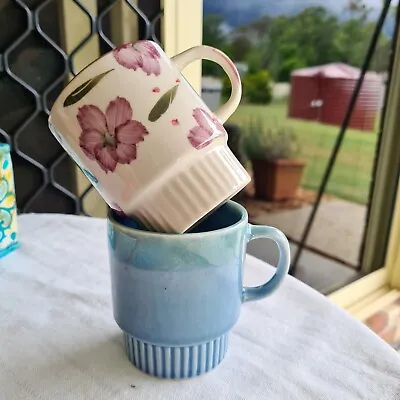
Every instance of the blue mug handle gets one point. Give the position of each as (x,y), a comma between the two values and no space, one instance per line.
(268,232)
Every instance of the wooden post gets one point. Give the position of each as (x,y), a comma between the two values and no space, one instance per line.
(75,26)
(182,27)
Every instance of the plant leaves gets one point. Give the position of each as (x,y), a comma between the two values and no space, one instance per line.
(163,104)
(84,89)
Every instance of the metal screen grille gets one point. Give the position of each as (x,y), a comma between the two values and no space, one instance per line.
(33,70)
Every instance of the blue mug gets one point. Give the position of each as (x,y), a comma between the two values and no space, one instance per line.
(176,297)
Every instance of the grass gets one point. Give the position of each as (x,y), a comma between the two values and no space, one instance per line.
(351,175)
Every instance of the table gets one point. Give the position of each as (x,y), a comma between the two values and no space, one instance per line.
(58,339)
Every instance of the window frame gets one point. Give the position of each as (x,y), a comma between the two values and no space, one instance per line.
(380,258)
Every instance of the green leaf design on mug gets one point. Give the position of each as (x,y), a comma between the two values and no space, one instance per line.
(163,104)
(84,89)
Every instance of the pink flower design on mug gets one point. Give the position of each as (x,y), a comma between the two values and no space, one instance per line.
(143,54)
(110,138)
(208,128)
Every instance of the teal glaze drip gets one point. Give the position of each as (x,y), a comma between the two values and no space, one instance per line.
(90,176)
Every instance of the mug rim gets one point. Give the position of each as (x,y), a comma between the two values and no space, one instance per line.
(127,229)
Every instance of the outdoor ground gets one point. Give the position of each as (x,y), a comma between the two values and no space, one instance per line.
(352,173)
(337,231)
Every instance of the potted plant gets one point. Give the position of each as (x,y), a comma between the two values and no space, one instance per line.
(277,171)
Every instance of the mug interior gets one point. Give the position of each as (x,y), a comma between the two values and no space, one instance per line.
(223,217)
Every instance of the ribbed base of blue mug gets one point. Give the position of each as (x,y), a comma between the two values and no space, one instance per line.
(176,362)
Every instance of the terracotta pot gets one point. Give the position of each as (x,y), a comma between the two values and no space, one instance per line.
(278,179)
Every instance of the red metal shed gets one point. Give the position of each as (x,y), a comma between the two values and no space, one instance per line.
(323,93)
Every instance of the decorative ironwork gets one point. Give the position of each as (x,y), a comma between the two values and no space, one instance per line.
(33,70)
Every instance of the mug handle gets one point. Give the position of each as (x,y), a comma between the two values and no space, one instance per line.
(268,232)
(181,60)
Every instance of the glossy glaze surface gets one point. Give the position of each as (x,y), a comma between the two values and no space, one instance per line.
(184,291)
(145,139)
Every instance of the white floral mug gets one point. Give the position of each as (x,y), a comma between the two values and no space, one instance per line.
(146,140)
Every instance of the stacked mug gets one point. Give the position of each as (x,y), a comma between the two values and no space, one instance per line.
(159,158)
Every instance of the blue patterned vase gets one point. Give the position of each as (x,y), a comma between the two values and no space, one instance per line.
(8,206)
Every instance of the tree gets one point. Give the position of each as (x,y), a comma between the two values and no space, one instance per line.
(380,59)
(214,36)
(351,42)
(240,47)
(353,39)
(305,39)
(312,37)
(358,10)
(286,68)
(254,60)
(257,30)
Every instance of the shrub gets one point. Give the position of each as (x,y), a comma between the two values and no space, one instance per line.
(289,65)
(262,143)
(257,88)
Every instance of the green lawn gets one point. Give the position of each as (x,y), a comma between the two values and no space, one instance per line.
(351,176)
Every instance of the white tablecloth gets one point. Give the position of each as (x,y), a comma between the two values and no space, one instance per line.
(58,339)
